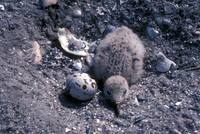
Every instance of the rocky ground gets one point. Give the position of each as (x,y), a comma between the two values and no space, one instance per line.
(32,98)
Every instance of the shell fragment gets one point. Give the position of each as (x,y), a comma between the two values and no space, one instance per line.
(71,44)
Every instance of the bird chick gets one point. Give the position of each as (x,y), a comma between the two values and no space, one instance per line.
(119,53)
(116,90)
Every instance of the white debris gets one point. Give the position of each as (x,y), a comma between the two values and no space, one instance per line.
(21,3)
(78,66)
(136,101)
(99,129)
(100,10)
(197,32)
(77,12)
(37,52)
(2,8)
(67,130)
(98,121)
(166,106)
(178,103)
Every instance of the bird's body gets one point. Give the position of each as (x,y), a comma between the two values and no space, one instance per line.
(116,90)
(119,53)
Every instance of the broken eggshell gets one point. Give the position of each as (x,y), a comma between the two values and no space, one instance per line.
(163,63)
(71,44)
(81,86)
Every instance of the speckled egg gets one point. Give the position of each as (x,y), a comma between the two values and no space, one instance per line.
(81,86)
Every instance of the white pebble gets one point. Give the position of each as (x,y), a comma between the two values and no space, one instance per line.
(98,121)
(67,130)
(197,32)
(99,129)
(78,66)
(2,8)
(136,101)
(178,103)
(163,63)
(166,106)
(77,12)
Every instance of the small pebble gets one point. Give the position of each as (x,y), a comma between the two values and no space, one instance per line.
(138,119)
(177,131)
(197,32)
(37,52)
(122,1)
(166,22)
(141,98)
(155,11)
(21,3)
(147,2)
(164,81)
(2,8)
(170,8)
(152,33)
(166,106)
(99,129)
(100,11)
(77,12)
(121,122)
(159,20)
(178,103)
(136,101)
(46,3)
(98,121)
(163,63)
(78,66)
(67,130)
(172,73)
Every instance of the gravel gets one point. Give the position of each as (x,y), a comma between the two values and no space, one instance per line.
(32,98)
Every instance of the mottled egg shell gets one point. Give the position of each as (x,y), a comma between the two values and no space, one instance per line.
(81,86)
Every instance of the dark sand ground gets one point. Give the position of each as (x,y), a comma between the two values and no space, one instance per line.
(32,98)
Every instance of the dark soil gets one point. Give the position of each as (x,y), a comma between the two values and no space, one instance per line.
(32,98)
